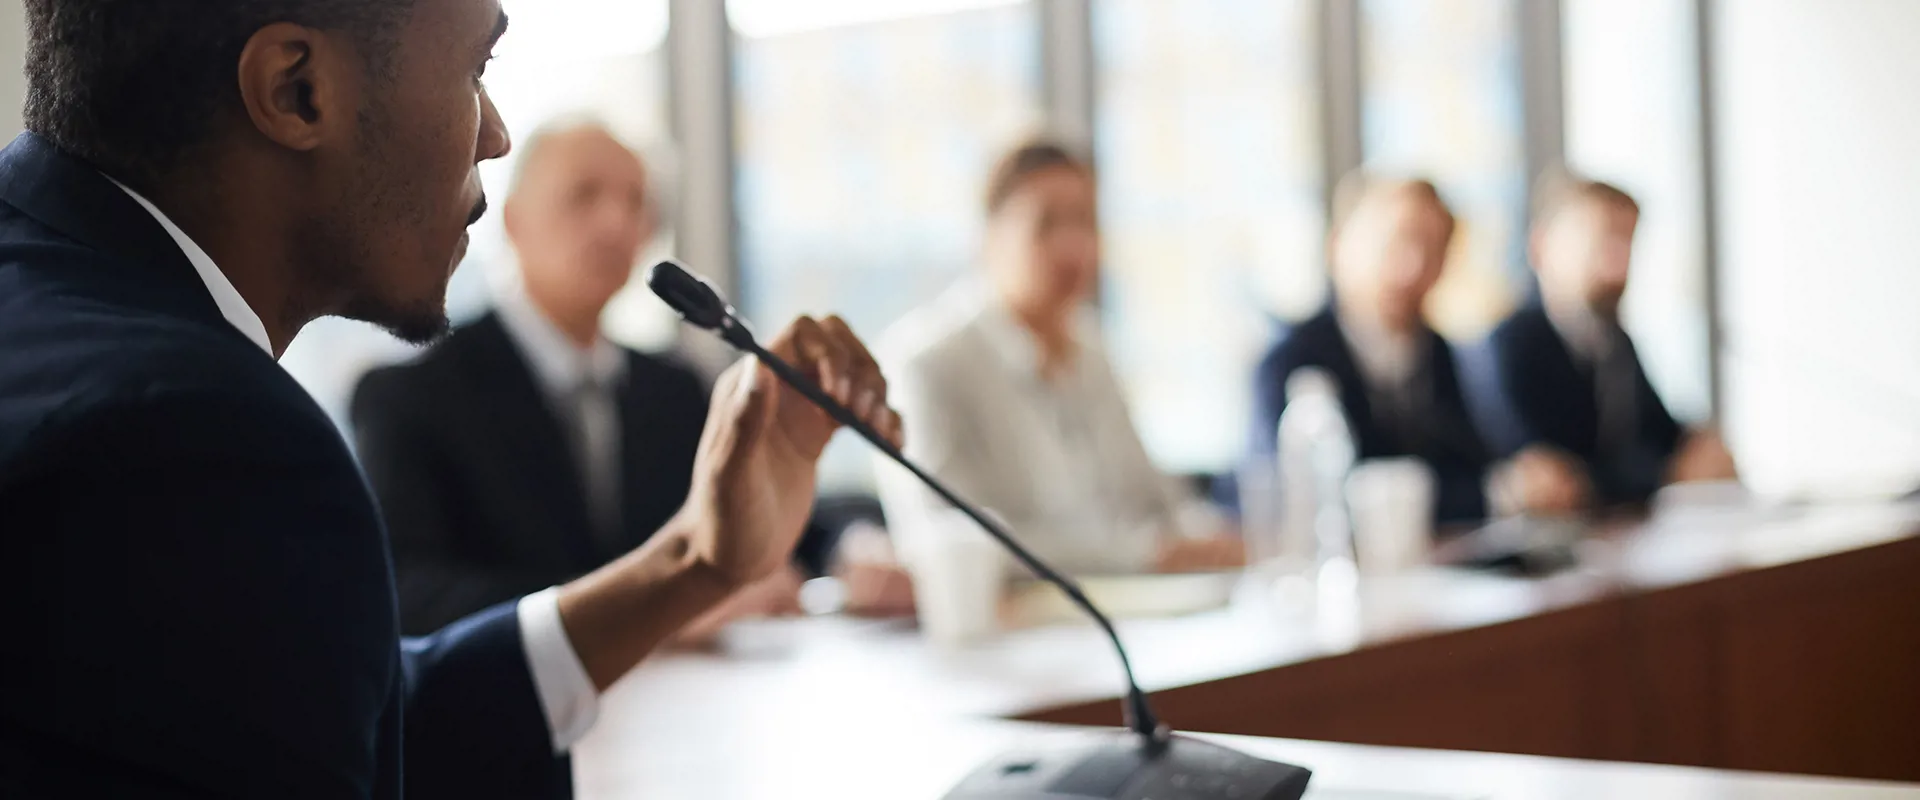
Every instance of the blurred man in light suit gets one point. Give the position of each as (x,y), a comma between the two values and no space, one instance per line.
(201,602)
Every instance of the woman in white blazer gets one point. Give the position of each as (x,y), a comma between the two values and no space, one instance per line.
(1008,395)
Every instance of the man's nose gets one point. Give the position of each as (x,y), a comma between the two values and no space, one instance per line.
(494,140)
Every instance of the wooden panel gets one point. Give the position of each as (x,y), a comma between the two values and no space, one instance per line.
(1821,672)
(1808,667)
(1547,685)
(1674,678)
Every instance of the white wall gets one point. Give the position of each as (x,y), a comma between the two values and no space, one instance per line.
(1818,136)
(1633,119)
(13,58)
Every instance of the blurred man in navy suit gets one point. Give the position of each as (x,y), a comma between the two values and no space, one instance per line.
(1398,379)
(200,601)
(1569,374)
(527,448)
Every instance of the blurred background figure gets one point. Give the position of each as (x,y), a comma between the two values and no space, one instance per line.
(527,449)
(1571,377)
(1009,397)
(1397,378)
(1214,126)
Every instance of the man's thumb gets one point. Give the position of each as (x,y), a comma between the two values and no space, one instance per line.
(757,397)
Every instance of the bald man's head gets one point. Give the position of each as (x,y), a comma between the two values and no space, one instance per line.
(578,215)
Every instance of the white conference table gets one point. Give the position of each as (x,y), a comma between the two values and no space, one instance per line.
(780,724)
(835,707)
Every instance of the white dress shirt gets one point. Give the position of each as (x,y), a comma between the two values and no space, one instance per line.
(1601,348)
(1385,359)
(580,386)
(1057,459)
(566,693)
(1585,335)
(1390,365)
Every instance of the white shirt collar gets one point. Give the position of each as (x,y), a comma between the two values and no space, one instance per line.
(1015,345)
(1385,360)
(1585,334)
(559,364)
(232,306)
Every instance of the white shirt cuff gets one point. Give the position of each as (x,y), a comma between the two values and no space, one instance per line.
(566,693)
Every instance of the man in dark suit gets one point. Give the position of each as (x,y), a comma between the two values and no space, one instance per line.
(1397,378)
(200,600)
(527,449)
(1569,374)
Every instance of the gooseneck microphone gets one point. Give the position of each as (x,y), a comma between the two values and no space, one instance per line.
(700,305)
(1155,763)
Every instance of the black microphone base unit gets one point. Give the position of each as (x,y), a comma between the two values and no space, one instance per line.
(1122,766)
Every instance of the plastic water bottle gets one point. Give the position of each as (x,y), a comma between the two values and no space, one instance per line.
(1317,452)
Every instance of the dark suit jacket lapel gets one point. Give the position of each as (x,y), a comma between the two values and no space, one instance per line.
(1578,393)
(645,407)
(662,410)
(1449,424)
(500,373)
(1354,393)
(72,197)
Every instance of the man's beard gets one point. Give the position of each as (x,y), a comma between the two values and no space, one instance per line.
(379,203)
(423,324)
(420,323)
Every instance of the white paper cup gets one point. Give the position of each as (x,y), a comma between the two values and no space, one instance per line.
(1390,502)
(1261,520)
(957,582)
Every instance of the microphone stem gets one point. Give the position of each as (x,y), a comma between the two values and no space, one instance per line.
(1138,713)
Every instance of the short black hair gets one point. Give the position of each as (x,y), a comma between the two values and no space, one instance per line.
(133,86)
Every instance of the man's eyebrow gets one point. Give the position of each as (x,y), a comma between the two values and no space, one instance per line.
(499,30)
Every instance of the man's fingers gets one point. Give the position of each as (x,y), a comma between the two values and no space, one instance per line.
(891,428)
(745,393)
(829,352)
(823,356)
(869,390)
(857,351)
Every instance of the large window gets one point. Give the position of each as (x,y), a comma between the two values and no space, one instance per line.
(864,131)
(858,134)
(1441,98)
(1633,118)
(551,64)
(603,59)
(1209,149)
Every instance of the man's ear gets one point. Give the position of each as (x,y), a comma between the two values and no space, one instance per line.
(298,85)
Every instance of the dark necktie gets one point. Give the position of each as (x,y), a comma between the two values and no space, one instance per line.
(595,434)
(1615,384)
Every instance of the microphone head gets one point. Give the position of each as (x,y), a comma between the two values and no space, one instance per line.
(694,298)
